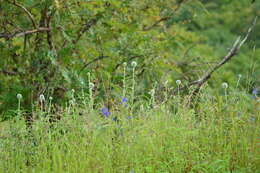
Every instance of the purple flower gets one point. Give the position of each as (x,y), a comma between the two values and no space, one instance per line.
(105,112)
(124,100)
(255,91)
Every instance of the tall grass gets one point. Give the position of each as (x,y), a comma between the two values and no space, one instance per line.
(217,136)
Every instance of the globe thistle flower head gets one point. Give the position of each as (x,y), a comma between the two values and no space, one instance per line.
(134,64)
(152,92)
(91,85)
(19,96)
(42,98)
(178,82)
(224,85)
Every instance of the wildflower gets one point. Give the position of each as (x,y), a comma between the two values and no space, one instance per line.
(239,75)
(178,82)
(42,98)
(134,64)
(50,98)
(73,91)
(105,112)
(124,101)
(19,96)
(255,91)
(125,63)
(91,85)
(224,85)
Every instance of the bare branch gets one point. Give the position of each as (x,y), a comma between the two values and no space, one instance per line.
(19,34)
(233,51)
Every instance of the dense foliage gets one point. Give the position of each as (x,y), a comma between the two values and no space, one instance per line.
(48,47)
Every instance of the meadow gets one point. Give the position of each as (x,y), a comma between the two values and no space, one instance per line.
(218,135)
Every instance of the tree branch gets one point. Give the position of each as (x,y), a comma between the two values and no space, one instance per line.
(233,51)
(25,10)
(18,34)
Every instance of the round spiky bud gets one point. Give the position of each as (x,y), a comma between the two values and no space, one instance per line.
(42,98)
(91,85)
(19,96)
(134,64)
(152,92)
(178,82)
(224,85)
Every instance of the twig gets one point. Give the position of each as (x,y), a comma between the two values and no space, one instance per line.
(164,18)
(25,10)
(94,60)
(86,27)
(18,34)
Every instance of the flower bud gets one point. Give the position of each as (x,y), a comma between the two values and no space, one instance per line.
(134,64)
(224,85)
(19,96)
(42,98)
(178,82)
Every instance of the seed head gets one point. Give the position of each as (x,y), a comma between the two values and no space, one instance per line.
(91,85)
(178,82)
(19,96)
(42,98)
(152,92)
(224,85)
(134,64)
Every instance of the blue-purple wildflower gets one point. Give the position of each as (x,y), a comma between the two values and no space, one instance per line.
(255,92)
(124,101)
(105,112)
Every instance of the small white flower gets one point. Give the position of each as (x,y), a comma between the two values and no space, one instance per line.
(239,75)
(125,63)
(224,85)
(91,85)
(178,82)
(50,98)
(152,92)
(42,98)
(19,96)
(134,64)
(72,101)
(73,91)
